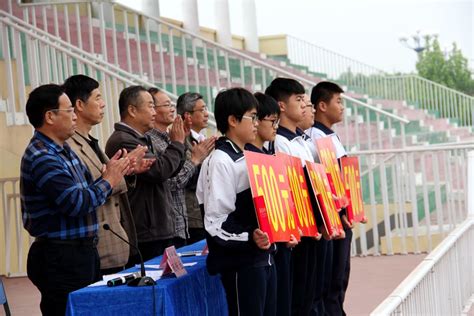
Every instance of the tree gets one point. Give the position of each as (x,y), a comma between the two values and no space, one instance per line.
(450,70)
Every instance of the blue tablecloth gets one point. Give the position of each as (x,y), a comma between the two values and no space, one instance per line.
(196,293)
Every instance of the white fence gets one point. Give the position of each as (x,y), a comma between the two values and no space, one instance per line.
(414,197)
(443,284)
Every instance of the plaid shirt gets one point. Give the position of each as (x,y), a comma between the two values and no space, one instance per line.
(176,184)
(58,196)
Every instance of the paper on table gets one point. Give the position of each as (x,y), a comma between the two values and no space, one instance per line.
(154,274)
(157,266)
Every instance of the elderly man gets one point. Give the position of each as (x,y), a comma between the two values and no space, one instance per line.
(89,105)
(59,199)
(195,154)
(150,197)
(193,110)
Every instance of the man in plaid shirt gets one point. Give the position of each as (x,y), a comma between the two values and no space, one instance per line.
(59,199)
(165,113)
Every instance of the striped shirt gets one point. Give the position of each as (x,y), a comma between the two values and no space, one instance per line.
(58,195)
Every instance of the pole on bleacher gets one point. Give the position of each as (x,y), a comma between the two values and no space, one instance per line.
(470,184)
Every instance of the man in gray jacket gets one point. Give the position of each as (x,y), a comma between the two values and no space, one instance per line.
(150,198)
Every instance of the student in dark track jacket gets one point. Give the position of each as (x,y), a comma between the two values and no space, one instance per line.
(268,113)
(238,249)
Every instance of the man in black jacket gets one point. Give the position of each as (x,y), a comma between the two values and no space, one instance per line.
(150,197)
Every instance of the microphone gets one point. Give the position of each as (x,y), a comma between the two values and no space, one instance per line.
(123,279)
(143,280)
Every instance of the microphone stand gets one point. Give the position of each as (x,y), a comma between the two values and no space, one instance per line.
(143,280)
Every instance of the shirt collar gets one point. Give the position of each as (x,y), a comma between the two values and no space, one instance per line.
(283,131)
(197,136)
(128,126)
(229,147)
(50,143)
(326,130)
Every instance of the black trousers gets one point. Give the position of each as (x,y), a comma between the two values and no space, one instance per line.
(195,235)
(304,276)
(251,291)
(323,275)
(284,269)
(341,267)
(58,269)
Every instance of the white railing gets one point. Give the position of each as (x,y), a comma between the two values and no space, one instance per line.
(330,64)
(171,57)
(363,78)
(49,59)
(14,238)
(426,94)
(443,284)
(413,197)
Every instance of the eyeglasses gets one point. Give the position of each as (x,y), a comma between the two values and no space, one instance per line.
(167,105)
(254,117)
(275,122)
(68,110)
(204,109)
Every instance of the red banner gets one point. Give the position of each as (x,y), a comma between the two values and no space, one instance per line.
(272,197)
(324,196)
(299,190)
(327,156)
(351,176)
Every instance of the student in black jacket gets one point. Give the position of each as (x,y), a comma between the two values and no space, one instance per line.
(238,249)
(268,113)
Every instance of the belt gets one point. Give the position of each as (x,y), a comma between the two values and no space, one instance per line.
(87,241)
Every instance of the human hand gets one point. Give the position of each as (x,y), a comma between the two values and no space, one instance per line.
(292,243)
(346,223)
(261,239)
(116,168)
(177,132)
(200,151)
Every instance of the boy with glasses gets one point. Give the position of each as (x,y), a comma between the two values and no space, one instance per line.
(268,113)
(238,249)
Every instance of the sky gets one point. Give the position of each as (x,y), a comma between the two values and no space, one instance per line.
(365,30)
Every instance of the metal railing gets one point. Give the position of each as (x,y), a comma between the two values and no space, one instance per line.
(177,60)
(443,284)
(14,237)
(48,59)
(330,64)
(426,94)
(413,197)
(366,79)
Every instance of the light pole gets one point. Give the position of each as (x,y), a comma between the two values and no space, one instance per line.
(417,42)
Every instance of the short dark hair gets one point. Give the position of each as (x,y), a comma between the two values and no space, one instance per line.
(266,105)
(153,90)
(234,101)
(324,92)
(79,87)
(129,95)
(281,89)
(187,101)
(41,100)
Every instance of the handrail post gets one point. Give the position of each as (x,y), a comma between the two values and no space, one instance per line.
(470,184)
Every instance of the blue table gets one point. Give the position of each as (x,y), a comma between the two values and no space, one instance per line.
(196,293)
